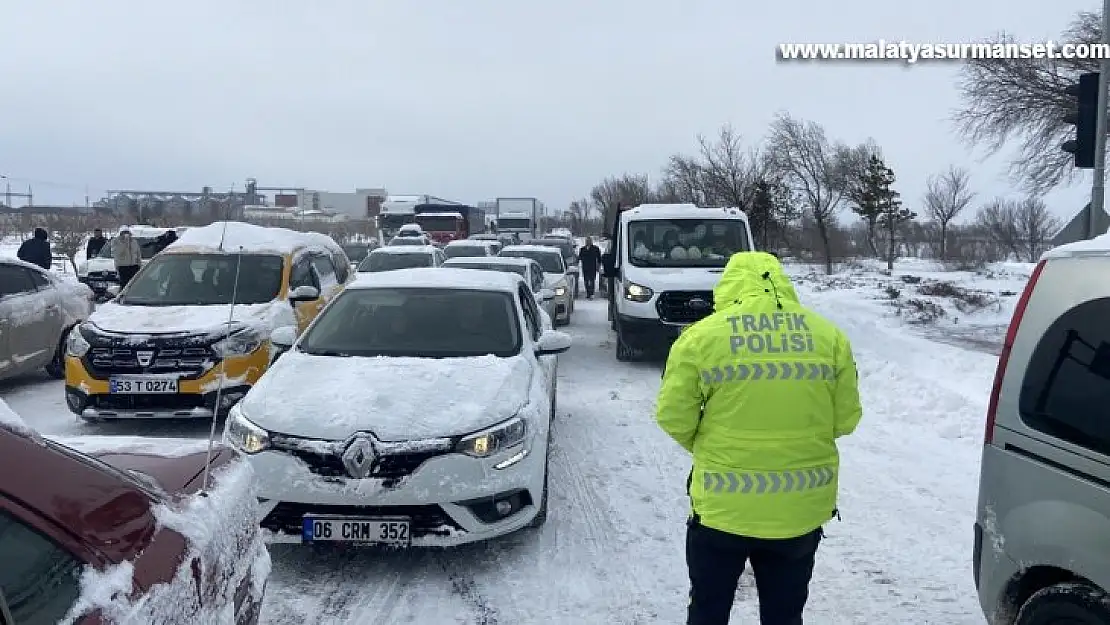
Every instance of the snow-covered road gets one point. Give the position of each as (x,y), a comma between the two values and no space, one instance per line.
(612,550)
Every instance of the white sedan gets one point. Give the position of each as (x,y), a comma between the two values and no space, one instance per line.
(390,422)
(556,276)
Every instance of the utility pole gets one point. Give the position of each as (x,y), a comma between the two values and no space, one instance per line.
(1098,188)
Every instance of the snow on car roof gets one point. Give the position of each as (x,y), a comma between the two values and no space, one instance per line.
(469,243)
(438,278)
(681,211)
(145,232)
(546,249)
(252,238)
(508,261)
(21,263)
(404,249)
(1095,246)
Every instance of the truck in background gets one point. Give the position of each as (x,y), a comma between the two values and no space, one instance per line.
(519,216)
(398,210)
(444,223)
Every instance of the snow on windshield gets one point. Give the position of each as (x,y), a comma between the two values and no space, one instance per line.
(220,529)
(685,242)
(411,322)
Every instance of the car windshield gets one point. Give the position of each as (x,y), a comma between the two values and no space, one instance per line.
(685,242)
(148,247)
(205,280)
(564,246)
(519,270)
(552,262)
(412,322)
(356,252)
(386,261)
(465,251)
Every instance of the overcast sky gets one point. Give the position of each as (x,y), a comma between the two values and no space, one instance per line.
(466,100)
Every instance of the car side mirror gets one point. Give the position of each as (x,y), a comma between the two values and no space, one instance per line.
(553,342)
(112,292)
(304,293)
(283,337)
(547,294)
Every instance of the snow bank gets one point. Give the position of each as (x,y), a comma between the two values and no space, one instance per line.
(251,238)
(115,317)
(396,398)
(219,529)
(12,422)
(165,447)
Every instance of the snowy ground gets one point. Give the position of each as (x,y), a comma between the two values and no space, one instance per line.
(612,550)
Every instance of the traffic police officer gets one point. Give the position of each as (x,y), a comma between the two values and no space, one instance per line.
(758,392)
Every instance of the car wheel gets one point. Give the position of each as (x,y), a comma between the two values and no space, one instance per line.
(56,368)
(541,516)
(1069,603)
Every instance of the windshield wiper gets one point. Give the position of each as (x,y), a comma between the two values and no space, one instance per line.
(324,352)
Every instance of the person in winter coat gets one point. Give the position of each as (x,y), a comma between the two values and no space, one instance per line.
(95,244)
(589,261)
(127,255)
(758,392)
(36,250)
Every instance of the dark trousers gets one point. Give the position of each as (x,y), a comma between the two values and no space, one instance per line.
(126,272)
(782,570)
(590,278)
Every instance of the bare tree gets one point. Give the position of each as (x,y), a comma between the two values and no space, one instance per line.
(1035,226)
(815,169)
(625,190)
(997,220)
(684,180)
(946,196)
(1022,100)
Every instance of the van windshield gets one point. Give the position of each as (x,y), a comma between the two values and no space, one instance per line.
(205,280)
(148,247)
(685,242)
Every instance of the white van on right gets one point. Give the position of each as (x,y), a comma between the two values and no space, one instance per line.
(664,261)
(1042,531)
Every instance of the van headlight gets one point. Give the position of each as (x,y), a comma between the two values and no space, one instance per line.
(560,291)
(76,345)
(243,435)
(637,292)
(238,343)
(493,440)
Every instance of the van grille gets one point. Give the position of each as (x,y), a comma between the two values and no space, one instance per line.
(188,361)
(675,306)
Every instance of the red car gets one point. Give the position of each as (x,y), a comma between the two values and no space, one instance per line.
(124,538)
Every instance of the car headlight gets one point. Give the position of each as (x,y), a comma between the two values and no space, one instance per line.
(243,435)
(238,343)
(76,345)
(498,438)
(560,291)
(637,293)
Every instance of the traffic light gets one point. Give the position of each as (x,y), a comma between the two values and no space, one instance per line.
(1085,120)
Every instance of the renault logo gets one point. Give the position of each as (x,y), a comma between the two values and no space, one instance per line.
(359,457)
(144,357)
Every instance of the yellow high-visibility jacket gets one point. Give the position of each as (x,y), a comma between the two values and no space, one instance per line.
(759,392)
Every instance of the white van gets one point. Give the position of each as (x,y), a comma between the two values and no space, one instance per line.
(663,263)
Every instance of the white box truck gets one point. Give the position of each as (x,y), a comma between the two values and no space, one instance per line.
(519,216)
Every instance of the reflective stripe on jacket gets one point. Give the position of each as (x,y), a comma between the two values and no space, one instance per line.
(758,392)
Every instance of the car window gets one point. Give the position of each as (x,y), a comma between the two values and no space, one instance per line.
(39,279)
(325,270)
(531,314)
(302,274)
(15,280)
(1067,384)
(38,580)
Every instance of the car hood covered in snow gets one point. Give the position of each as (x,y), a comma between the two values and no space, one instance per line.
(396,399)
(113,317)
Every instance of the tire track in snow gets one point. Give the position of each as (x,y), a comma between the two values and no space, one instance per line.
(464,586)
(380,604)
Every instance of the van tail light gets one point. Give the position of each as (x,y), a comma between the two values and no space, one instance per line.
(1004,357)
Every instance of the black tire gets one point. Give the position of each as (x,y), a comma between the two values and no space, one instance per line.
(56,368)
(1065,604)
(541,516)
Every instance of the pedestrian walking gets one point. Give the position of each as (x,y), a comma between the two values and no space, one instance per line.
(127,256)
(36,250)
(95,244)
(589,261)
(758,392)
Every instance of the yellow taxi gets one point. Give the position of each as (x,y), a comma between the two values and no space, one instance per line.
(190,334)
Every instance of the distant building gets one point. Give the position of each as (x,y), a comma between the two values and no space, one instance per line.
(362,204)
(1076,230)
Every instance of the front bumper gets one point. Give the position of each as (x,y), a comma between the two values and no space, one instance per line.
(449,498)
(645,334)
(99,283)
